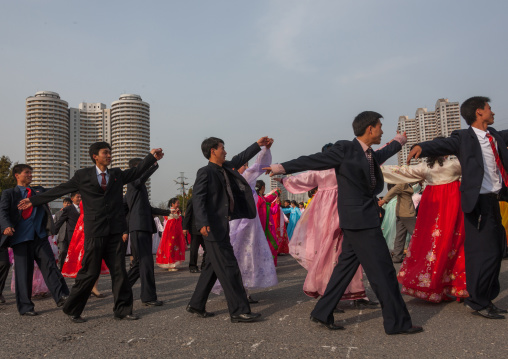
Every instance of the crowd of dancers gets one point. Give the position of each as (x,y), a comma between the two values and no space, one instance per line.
(453,231)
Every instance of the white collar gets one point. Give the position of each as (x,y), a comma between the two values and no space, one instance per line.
(98,171)
(480,133)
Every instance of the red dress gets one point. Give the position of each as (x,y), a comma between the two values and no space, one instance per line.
(76,251)
(280,229)
(172,247)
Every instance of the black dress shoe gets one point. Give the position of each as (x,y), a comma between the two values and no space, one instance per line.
(488,313)
(127,317)
(338,310)
(30,313)
(413,330)
(330,326)
(153,303)
(365,303)
(247,317)
(201,313)
(77,319)
(195,270)
(252,301)
(498,310)
(61,301)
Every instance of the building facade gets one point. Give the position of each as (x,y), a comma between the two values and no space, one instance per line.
(427,125)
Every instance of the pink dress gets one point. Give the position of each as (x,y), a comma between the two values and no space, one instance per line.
(317,239)
(267,222)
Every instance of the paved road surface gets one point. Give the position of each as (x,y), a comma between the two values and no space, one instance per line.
(285,331)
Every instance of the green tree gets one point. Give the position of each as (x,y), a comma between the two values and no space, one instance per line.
(184,199)
(7,180)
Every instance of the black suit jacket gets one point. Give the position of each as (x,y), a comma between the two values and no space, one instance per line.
(10,215)
(465,145)
(189,220)
(70,215)
(139,211)
(210,200)
(104,212)
(356,202)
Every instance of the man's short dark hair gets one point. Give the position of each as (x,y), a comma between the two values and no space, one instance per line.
(74,194)
(469,107)
(17,169)
(67,200)
(134,162)
(208,144)
(364,120)
(96,147)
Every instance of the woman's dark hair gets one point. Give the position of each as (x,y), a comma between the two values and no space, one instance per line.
(208,144)
(364,120)
(431,160)
(469,107)
(172,201)
(96,147)
(326,147)
(312,192)
(259,184)
(294,202)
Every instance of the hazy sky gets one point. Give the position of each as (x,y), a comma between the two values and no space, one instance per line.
(298,71)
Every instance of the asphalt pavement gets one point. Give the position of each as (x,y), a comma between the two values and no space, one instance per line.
(285,331)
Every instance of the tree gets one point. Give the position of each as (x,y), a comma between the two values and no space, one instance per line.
(184,199)
(7,180)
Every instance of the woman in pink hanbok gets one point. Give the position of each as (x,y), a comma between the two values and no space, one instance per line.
(266,216)
(317,238)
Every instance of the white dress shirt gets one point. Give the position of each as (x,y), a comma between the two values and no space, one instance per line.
(77,207)
(491,176)
(99,175)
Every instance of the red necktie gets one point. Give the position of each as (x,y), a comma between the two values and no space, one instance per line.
(27,212)
(498,160)
(103,182)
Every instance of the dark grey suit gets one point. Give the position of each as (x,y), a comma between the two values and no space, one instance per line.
(66,218)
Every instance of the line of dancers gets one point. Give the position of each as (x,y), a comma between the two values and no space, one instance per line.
(452,252)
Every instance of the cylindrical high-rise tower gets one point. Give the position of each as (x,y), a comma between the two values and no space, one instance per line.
(47,138)
(130,129)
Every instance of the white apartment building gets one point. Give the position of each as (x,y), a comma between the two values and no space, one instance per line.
(299,197)
(428,124)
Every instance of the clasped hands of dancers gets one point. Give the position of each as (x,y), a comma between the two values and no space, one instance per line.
(221,194)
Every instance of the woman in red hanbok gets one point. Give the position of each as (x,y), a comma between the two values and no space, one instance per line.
(172,247)
(72,263)
(280,228)
(434,267)
(264,211)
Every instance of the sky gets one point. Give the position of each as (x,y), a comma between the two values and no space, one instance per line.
(298,71)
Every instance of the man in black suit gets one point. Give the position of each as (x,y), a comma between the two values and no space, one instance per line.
(221,194)
(189,225)
(483,157)
(26,232)
(69,217)
(101,190)
(359,179)
(141,228)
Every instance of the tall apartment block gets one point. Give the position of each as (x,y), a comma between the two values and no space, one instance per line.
(428,124)
(58,137)
(299,197)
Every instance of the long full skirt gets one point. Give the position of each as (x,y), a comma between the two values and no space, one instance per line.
(172,246)
(434,267)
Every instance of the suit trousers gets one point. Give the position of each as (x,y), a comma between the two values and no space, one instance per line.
(403,225)
(483,248)
(142,264)
(368,248)
(112,249)
(196,241)
(221,264)
(25,253)
(4,267)
(63,248)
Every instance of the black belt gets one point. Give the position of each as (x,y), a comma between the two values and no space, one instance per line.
(491,195)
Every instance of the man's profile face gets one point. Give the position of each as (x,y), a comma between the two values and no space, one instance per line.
(25,177)
(486,114)
(376,132)
(65,204)
(219,153)
(103,158)
(76,199)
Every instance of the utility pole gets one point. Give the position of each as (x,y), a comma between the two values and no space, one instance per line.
(181,182)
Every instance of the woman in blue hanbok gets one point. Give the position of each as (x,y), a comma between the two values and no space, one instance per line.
(248,237)
(294,216)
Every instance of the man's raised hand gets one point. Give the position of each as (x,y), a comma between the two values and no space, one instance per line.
(415,152)
(157,153)
(265,141)
(24,204)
